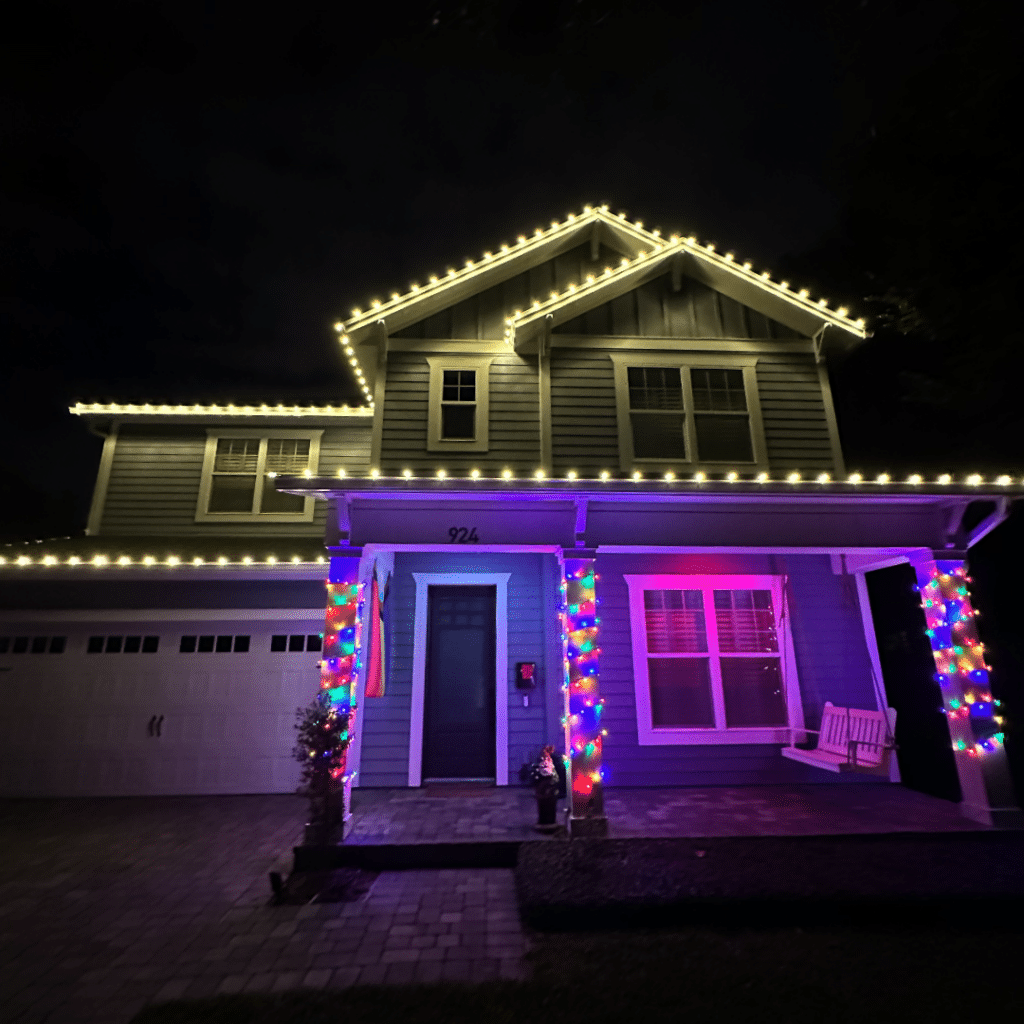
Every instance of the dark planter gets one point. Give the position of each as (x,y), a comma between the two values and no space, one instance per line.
(547,811)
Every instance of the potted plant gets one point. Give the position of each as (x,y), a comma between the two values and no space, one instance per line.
(547,784)
(320,749)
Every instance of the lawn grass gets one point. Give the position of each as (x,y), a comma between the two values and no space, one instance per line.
(825,974)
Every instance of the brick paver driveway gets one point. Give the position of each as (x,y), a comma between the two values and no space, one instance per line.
(107,905)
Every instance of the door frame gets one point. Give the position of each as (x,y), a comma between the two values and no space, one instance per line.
(425,580)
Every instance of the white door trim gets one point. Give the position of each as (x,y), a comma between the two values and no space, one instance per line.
(424,580)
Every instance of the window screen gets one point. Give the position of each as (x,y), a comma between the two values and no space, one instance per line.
(656,412)
(458,405)
(720,416)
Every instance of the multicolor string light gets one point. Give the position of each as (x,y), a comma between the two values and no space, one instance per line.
(959,655)
(583,704)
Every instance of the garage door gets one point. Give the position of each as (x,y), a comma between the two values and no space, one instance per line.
(127,708)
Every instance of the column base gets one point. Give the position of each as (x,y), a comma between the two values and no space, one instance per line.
(588,828)
(998,817)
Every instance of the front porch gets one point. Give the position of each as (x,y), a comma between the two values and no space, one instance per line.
(507,814)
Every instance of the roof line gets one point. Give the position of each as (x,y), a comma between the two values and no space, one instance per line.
(230,409)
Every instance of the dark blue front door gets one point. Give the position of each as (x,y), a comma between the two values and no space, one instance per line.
(459,708)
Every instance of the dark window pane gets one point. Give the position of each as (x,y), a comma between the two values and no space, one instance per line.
(114,644)
(205,645)
(57,644)
(150,644)
(188,645)
(753,692)
(654,387)
(279,643)
(458,422)
(241,645)
(723,439)
(237,455)
(313,642)
(277,501)
(231,493)
(95,645)
(658,435)
(20,645)
(459,386)
(223,645)
(132,644)
(681,693)
(5,644)
(718,390)
(287,457)
(39,645)
(296,643)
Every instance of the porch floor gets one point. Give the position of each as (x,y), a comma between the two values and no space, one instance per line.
(466,814)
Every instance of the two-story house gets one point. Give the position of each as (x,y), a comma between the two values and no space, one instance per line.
(596,498)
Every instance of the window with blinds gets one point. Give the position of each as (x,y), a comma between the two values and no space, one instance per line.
(713,657)
(243,472)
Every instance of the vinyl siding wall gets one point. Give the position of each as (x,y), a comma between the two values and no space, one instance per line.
(532,636)
(156,473)
(831,656)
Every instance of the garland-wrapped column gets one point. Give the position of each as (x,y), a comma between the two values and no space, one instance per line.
(341,658)
(583,703)
(975,722)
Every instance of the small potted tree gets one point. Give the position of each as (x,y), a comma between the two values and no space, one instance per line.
(547,785)
(320,748)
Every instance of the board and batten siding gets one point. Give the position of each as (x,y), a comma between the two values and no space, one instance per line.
(156,473)
(532,636)
(514,423)
(831,656)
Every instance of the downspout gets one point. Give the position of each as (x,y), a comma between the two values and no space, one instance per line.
(544,393)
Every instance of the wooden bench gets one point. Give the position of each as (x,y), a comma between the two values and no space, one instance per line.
(850,740)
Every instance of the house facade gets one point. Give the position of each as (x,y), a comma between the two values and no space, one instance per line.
(596,498)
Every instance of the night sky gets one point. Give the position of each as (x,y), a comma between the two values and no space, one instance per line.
(194,193)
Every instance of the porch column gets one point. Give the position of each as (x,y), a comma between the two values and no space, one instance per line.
(340,663)
(975,722)
(583,703)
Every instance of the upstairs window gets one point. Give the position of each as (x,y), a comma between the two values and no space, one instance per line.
(673,413)
(458,409)
(458,405)
(239,471)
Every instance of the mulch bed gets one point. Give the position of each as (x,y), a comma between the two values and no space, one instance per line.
(343,885)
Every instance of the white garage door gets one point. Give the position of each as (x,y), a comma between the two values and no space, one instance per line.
(132,707)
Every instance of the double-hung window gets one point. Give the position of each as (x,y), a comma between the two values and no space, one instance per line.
(239,470)
(703,411)
(712,660)
(458,407)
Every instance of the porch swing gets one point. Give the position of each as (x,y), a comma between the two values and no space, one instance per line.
(850,739)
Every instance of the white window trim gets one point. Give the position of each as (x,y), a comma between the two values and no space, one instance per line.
(647,734)
(621,361)
(498,580)
(482,366)
(213,435)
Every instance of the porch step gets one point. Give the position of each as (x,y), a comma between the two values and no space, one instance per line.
(404,856)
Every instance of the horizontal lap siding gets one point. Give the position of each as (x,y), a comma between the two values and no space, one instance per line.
(793,413)
(513,429)
(155,478)
(584,430)
(384,760)
(832,664)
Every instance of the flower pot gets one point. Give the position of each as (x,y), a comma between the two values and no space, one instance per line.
(547,811)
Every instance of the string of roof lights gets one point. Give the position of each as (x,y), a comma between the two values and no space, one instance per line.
(97,408)
(659,247)
(149,561)
(605,476)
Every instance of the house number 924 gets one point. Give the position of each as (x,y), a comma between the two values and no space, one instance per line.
(462,535)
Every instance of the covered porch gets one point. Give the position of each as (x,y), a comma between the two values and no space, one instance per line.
(507,814)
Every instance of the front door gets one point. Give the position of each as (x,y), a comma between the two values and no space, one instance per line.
(459,703)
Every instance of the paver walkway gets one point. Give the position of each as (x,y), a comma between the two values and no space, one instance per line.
(107,905)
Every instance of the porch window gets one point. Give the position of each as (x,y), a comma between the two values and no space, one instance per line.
(710,660)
